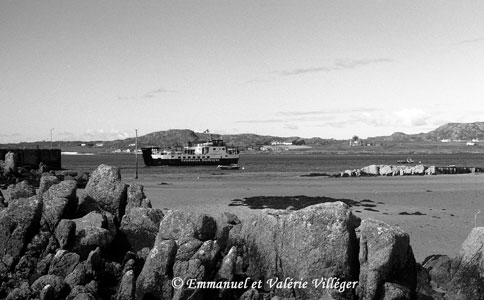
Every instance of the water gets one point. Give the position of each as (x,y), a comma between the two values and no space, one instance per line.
(306,163)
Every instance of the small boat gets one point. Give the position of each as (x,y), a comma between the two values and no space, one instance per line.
(229,167)
(407,161)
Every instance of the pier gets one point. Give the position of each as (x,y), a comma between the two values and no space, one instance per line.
(33,157)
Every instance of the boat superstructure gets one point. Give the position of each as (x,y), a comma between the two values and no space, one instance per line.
(212,152)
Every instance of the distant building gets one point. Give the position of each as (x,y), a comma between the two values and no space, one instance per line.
(475,140)
(471,144)
(99,144)
(445,141)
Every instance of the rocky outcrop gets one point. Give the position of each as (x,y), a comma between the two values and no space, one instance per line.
(338,255)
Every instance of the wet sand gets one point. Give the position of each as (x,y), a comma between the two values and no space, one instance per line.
(436,211)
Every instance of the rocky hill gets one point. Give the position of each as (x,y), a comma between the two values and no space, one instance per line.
(451,131)
(180,137)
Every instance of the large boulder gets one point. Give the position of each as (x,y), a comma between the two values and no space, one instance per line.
(60,202)
(106,188)
(18,224)
(140,226)
(93,230)
(468,276)
(22,189)
(313,243)
(385,257)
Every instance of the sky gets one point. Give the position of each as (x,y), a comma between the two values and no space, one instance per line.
(98,70)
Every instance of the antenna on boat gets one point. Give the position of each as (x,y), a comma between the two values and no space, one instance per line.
(209,134)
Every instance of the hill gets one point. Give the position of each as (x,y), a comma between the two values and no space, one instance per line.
(449,131)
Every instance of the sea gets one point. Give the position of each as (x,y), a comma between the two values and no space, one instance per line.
(304,163)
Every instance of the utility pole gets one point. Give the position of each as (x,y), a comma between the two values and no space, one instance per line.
(52,129)
(136,152)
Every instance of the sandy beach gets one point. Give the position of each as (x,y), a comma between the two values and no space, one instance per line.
(436,211)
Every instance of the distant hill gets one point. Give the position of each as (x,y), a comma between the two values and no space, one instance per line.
(181,137)
(450,131)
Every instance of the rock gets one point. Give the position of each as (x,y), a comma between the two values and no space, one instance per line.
(225,222)
(27,265)
(20,190)
(60,202)
(126,290)
(65,233)
(65,189)
(419,170)
(141,225)
(393,291)
(84,296)
(314,242)
(251,294)
(187,248)
(468,276)
(18,224)
(60,288)
(47,293)
(79,276)
(431,170)
(10,163)
(46,182)
(92,231)
(44,264)
(154,280)
(385,256)
(22,292)
(371,170)
(227,268)
(439,268)
(63,263)
(177,225)
(137,197)
(106,188)
(386,170)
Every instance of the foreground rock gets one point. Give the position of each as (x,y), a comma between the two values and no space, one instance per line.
(18,224)
(385,257)
(105,188)
(313,243)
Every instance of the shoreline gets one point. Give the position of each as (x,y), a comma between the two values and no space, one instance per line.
(436,211)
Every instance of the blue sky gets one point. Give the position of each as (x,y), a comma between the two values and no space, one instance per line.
(331,69)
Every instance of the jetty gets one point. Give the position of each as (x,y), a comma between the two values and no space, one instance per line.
(33,157)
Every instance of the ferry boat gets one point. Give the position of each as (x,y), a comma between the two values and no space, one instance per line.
(213,152)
